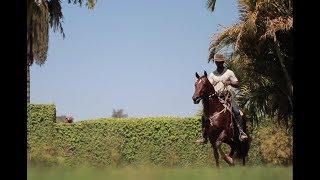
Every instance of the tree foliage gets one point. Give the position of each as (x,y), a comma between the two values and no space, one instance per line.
(262,56)
(118,114)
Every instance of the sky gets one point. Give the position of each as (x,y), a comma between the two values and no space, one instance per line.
(140,56)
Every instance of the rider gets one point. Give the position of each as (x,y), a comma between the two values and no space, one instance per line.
(223,80)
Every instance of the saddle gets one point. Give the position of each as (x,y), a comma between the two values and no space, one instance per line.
(226,100)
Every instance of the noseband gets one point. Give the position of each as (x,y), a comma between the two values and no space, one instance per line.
(212,95)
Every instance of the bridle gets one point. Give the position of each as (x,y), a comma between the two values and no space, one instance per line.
(212,95)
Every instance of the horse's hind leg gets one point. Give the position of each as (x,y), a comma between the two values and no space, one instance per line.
(243,161)
(218,143)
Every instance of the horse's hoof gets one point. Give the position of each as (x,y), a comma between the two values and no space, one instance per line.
(230,160)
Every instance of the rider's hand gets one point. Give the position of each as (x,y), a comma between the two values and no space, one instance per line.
(214,83)
(227,82)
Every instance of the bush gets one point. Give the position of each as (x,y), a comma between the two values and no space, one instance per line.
(40,132)
(162,141)
(276,145)
(40,126)
(157,141)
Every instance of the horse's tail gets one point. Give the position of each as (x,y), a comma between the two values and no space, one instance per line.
(242,148)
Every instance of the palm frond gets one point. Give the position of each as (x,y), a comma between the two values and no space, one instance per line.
(275,25)
(89,3)
(43,14)
(211,5)
(56,16)
(40,32)
(223,39)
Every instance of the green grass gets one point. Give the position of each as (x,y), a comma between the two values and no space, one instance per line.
(148,173)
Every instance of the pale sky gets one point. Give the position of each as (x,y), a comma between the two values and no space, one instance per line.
(139,55)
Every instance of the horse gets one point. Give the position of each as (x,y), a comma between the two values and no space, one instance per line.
(219,123)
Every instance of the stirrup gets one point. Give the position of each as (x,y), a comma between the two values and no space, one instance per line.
(242,136)
(202,141)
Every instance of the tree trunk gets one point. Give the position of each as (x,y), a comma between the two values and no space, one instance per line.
(29,45)
(286,74)
(28,83)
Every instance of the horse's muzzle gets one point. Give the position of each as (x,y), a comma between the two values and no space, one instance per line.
(196,100)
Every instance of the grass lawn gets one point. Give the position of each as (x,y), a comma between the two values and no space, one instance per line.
(148,173)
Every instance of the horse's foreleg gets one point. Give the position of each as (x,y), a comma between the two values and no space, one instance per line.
(231,153)
(216,155)
(218,143)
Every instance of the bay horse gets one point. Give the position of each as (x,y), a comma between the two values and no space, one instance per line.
(219,123)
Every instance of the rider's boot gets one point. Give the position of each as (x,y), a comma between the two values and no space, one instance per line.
(204,138)
(242,134)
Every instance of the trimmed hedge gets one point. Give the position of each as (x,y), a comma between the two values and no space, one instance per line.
(163,141)
(156,141)
(40,130)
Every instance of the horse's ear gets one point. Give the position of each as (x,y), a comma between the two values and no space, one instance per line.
(205,73)
(197,75)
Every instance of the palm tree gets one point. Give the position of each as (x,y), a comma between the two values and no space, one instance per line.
(262,55)
(41,15)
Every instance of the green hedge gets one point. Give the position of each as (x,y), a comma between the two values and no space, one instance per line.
(165,141)
(40,129)
(157,141)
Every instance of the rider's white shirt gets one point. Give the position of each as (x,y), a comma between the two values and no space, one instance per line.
(218,79)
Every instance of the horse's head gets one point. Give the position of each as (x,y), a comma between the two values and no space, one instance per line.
(203,88)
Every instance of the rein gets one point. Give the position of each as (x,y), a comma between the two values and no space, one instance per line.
(225,107)
(224,103)
(223,110)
